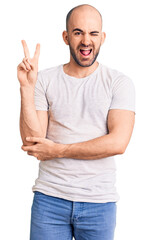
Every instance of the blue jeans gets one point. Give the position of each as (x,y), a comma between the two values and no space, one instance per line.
(54,218)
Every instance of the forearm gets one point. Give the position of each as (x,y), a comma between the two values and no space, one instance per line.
(101,147)
(29,122)
(120,126)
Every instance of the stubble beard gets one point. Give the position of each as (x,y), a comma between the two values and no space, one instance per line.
(79,62)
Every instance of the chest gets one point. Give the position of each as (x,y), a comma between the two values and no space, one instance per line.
(82,100)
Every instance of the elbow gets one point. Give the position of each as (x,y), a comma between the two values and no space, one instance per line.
(26,143)
(119,143)
(120,148)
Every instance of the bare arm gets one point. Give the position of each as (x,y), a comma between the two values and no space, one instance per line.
(32,122)
(120,126)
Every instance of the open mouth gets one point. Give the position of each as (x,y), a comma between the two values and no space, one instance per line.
(85,52)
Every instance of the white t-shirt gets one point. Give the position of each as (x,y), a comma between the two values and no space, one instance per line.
(78,109)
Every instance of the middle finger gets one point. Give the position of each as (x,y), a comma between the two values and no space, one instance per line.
(25,48)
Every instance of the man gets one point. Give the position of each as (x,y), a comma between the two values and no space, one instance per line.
(74,118)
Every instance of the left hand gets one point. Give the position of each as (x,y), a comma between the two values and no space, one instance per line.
(43,149)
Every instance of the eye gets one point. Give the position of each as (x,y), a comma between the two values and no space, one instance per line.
(77,33)
(94,34)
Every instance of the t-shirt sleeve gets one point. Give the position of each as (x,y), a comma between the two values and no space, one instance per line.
(123,94)
(40,98)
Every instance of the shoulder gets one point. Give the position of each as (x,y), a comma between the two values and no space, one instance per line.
(46,75)
(114,77)
(48,72)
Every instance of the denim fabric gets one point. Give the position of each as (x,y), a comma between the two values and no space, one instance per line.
(54,218)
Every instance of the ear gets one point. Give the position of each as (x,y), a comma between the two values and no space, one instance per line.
(65,37)
(103,37)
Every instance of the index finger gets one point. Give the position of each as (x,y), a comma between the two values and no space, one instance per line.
(34,139)
(25,48)
(37,51)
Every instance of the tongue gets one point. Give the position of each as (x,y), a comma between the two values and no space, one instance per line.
(87,52)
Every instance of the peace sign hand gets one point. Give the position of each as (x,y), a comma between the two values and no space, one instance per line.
(27,70)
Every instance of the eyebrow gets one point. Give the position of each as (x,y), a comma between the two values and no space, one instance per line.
(94,32)
(79,30)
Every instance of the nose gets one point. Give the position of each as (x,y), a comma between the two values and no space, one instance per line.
(85,39)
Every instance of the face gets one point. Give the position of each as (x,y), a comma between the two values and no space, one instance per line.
(84,36)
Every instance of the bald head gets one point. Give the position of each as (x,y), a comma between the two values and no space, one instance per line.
(79,9)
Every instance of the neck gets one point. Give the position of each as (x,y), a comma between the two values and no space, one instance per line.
(74,70)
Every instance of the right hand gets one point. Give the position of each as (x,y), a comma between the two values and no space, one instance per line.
(27,70)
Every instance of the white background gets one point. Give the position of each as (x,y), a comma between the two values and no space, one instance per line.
(129,49)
